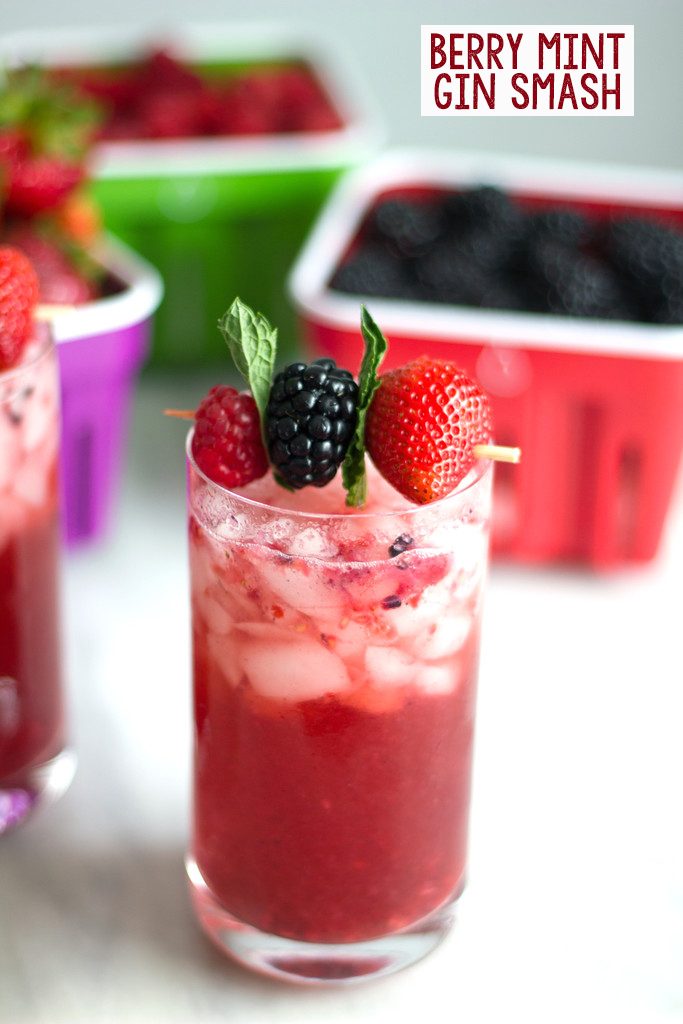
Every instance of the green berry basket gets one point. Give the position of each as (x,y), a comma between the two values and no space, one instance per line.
(218,216)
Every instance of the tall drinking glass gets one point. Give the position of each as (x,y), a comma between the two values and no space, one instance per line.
(335,664)
(34,764)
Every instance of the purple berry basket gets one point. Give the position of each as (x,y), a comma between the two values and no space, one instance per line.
(101,347)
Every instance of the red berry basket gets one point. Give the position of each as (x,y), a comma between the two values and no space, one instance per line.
(595,405)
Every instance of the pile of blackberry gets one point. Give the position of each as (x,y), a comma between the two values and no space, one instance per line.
(480,248)
(310,420)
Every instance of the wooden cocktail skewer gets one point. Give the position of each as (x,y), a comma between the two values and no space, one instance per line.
(494,452)
(47,311)
(497,452)
(180,414)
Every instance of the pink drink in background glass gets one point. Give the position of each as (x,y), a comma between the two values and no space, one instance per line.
(33,761)
(335,664)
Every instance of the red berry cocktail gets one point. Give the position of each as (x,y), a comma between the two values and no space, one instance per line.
(33,762)
(31,705)
(335,663)
(335,642)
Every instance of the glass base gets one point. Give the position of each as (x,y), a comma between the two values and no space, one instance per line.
(42,784)
(315,963)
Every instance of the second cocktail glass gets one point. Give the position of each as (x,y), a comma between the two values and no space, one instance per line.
(34,764)
(335,665)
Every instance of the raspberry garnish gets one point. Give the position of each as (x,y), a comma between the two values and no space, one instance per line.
(227,443)
(310,419)
(18,298)
(422,426)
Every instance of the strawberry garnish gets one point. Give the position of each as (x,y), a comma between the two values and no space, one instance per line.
(422,426)
(18,298)
(227,444)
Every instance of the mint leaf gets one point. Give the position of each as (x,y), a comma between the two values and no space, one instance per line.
(282,482)
(353,466)
(253,345)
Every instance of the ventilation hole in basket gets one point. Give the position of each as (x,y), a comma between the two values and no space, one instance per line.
(506,510)
(628,493)
(588,436)
(83,452)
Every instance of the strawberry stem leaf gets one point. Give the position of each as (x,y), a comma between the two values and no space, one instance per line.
(52,116)
(252,342)
(353,466)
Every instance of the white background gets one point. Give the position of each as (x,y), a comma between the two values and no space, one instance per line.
(574,909)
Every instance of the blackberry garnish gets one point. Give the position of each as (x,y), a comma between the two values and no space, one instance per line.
(310,419)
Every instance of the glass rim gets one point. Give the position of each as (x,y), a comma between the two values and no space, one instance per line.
(483,468)
(46,345)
